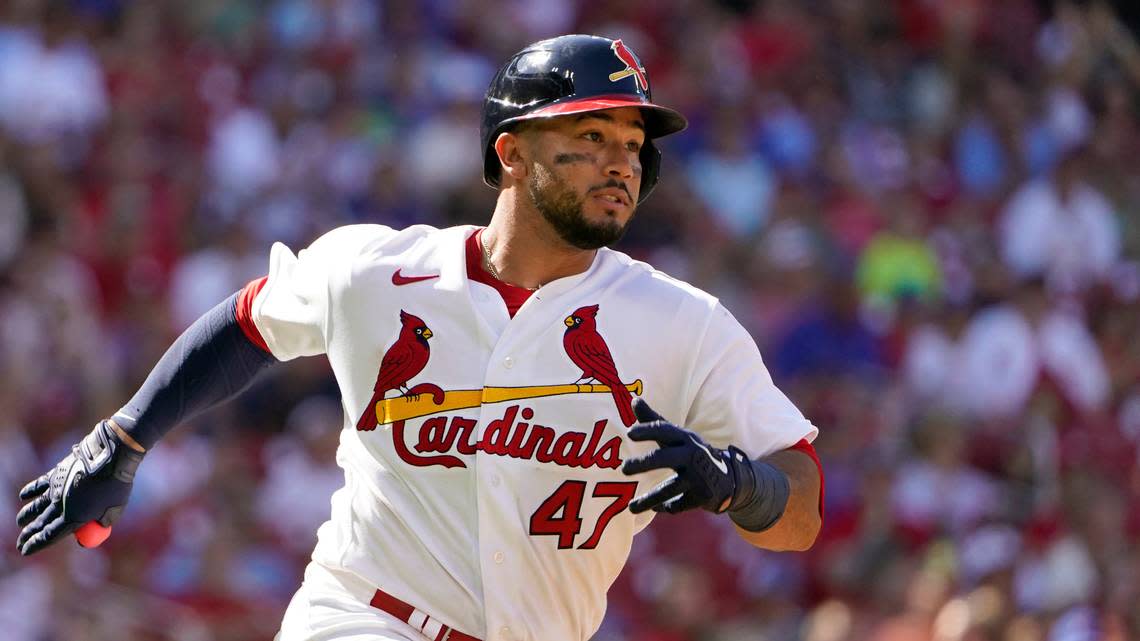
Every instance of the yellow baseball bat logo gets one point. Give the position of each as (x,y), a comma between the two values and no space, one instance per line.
(619,75)
(402,408)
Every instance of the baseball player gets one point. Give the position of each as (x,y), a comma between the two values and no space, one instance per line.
(519,400)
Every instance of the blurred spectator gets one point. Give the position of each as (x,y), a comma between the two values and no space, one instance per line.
(443,157)
(989,366)
(1061,228)
(938,492)
(732,180)
(828,339)
(51,83)
(787,137)
(980,157)
(1000,361)
(203,278)
(1071,356)
(301,474)
(244,155)
(897,263)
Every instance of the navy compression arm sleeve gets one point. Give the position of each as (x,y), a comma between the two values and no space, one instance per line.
(210,362)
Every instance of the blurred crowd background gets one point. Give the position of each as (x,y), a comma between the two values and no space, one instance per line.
(925,211)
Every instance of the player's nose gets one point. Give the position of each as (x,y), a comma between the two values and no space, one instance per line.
(621,162)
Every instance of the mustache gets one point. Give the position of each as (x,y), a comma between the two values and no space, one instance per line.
(613,183)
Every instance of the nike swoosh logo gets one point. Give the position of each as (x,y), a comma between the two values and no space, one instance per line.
(399,279)
(720,465)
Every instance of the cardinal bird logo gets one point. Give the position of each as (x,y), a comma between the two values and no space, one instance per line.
(404,360)
(632,68)
(588,350)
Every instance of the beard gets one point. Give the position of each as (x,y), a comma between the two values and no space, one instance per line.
(562,209)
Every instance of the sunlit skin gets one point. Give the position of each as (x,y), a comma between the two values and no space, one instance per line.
(594,159)
(597,158)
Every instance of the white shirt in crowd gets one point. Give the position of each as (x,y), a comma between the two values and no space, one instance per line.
(1071,242)
(993,368)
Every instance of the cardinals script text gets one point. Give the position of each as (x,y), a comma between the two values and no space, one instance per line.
(504,436)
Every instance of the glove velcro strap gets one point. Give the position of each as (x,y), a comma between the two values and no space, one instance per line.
(103,447)
(761,495)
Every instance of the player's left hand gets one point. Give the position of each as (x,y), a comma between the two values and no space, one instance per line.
(706,476)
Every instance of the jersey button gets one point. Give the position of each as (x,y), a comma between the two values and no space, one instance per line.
(505,633)
(498,556)
(495,480)
(508,362)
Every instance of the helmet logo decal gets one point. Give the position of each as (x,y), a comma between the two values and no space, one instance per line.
(631,67)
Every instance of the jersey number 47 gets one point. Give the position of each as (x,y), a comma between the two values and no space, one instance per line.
(560,514)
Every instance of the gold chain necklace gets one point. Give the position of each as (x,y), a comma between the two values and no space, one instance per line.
(491,266)
(487,261)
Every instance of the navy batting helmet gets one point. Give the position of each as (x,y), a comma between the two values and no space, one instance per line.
(570,75)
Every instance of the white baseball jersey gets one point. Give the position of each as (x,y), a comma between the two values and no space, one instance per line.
(491,496)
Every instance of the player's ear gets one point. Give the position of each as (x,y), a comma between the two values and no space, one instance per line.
(511,150)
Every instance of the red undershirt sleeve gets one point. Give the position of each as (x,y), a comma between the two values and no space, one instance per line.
(244,312)
(806,448)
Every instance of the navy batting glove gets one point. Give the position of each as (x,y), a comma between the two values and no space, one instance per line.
(92,483)
(705,478)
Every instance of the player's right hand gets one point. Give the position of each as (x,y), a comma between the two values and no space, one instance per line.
(92,483)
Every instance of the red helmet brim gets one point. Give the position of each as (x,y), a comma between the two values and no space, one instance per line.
(662,121)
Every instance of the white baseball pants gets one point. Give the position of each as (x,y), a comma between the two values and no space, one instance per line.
(334,606)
